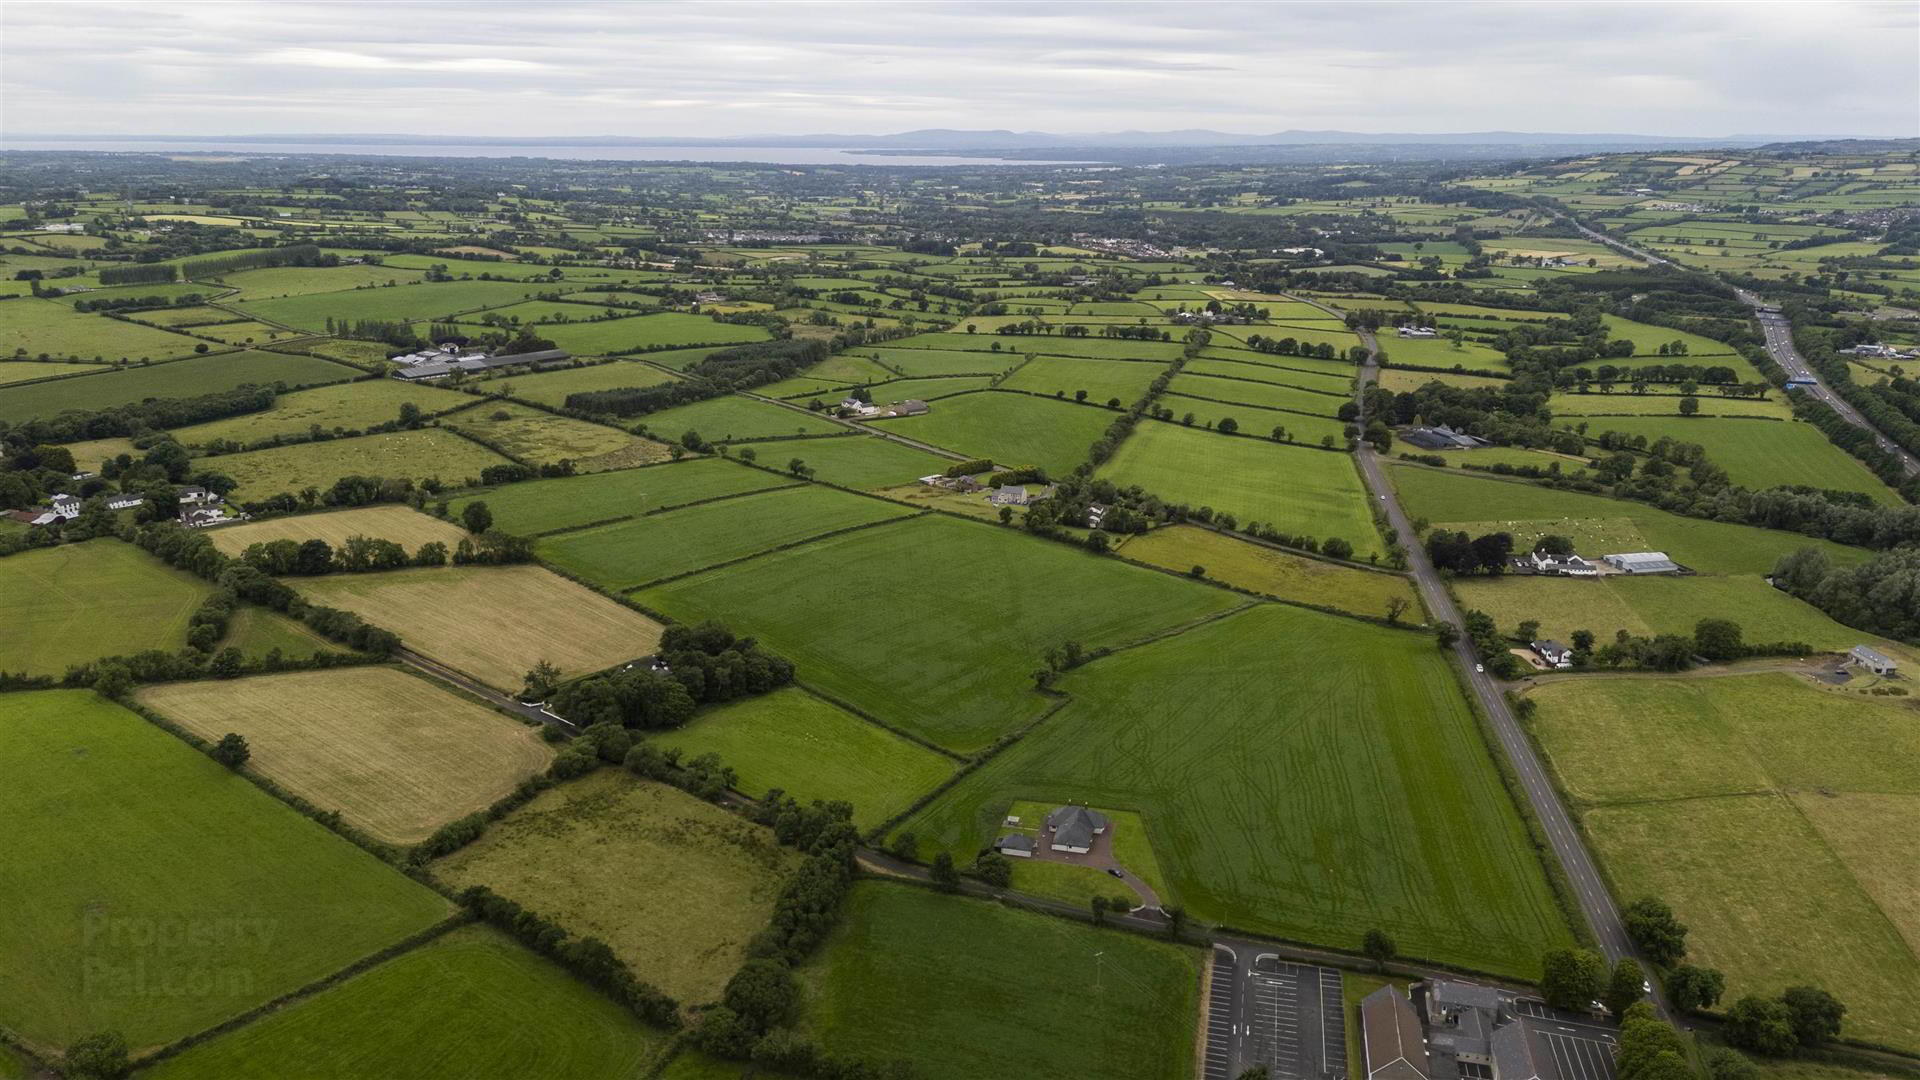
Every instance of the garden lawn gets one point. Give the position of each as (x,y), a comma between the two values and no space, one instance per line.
(415,455)
(848,610)
(76,603)
(180,379)
(906,975)
(862,462)
(1300,774)
(1276,573)
(725,419)
(540,506)
(595,853)
(397,755)
(541,438)
(493,623)
(137,864)
(1291,488)
(1012,429)
(628,554)
(813,749)
(351,406)
(1598,525)
(1760,453)
(439,1010)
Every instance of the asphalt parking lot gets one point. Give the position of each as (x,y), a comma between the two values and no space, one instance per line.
(1267,1011)
(1580,1048)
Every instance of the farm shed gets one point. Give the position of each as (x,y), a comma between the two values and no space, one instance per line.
(1872,659)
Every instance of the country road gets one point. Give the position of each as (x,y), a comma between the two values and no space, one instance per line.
(1779,337)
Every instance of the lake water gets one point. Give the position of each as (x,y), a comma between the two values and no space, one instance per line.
(768,155)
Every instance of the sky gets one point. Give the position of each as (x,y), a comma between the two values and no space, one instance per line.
(719,68)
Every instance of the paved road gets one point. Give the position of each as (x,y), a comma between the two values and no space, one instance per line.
(1779,339)
(505,701)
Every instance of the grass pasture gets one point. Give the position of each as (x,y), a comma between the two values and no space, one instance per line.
(862,462)
(495,622)
(551,388)
(13,371)
(396,755)
(74,603)
(1653,605)
(1771,813)
(594,852)
(416,302)
(733,417)
(669,329)
(438,1010)
(932,990)
(401,524)
(1265,394)
(1012,429)
(46,326)
(843,610)
(628,554)
(180,379)
(1762,454)
(137,864)
(1299,774)
(541,438)
(1052,376)
(1271,571)
(416,455)
(539,506)
(350,406)
(813,749)
(257,631)
(1294,489)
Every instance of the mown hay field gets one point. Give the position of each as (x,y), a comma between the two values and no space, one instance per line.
(541,506)
(493,623)
(403,525)
(1276,573)
(155,892)
(180,379)
(813,749)
(931,990)
(676,886)
(395,754)
(851,612)
(74,603)
(1653,605)
(632,553)
(438,1010)
(415,455)
(1299,774)
(1012,429)
(1294,489)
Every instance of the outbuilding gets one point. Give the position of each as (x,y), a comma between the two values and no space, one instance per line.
(1873,660)
(1642,562)
(1018,845)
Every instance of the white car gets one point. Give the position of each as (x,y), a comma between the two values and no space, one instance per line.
(1479,669)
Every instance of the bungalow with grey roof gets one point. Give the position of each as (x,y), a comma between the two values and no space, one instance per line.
(1073,828)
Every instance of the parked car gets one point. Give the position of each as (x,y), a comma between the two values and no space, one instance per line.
(1115,871)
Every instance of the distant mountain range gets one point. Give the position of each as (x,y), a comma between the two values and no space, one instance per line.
(953,139)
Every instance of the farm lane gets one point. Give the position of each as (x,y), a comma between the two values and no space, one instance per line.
(1779,336)
(1589,888)
(488,694)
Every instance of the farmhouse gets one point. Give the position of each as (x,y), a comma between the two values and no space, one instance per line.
(1394,1045)
(197,496)
(1872,659)
(65,506)
(1018,845)
(1642,562)
(440,369)
(1540,562)
(124,502)
(1553,654)
(1073,828)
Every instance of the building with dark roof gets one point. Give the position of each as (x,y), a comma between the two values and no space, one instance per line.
(1018,845)
(1073,828)
(1394,1045)
(467,365)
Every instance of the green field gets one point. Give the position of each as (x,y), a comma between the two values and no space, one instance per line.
(1653,605)
(416,302)
(670,329)
(1596,524)
(595,852)
(965,989)
(183,378)
(13,371)
(1266,570)
(943,361)
(1773,814)
(1051,376)
(848,611)
(350,406)
(552,387)
(1572,407)
(438,1010)
(79,602)
(863,462)
(724,419)
(46,326)
(1300,428)
(1293,489)
(543,438)
(1012,429)
(539,506)
(416,455)
(631,553)
(1300,774)
(813,749)
(1265,394)
(257,631)
(1761,454)
(157,893)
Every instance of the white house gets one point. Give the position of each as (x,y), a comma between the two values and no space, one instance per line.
(1554,654)
(1568,566)
(197,496)
(124,502)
